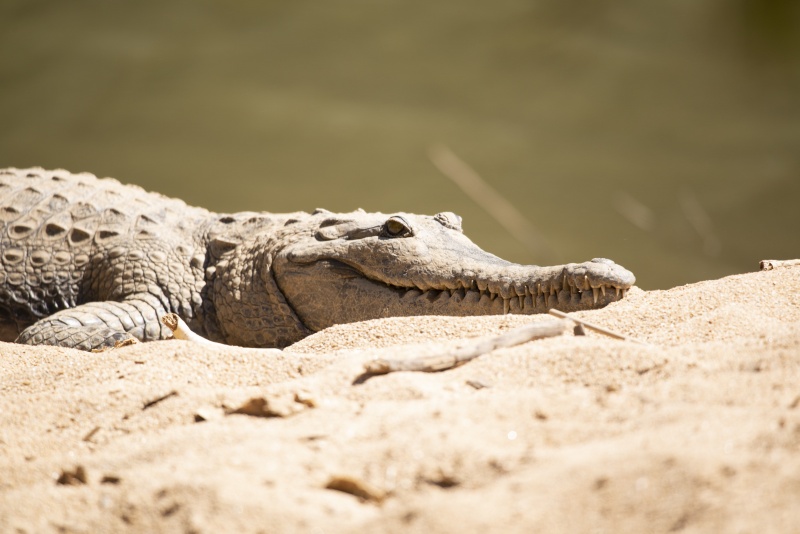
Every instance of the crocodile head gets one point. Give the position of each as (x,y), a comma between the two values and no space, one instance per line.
(358,266)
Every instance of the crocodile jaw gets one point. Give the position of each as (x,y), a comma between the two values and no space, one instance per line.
(343,293)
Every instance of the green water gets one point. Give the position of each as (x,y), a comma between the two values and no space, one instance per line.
(663,135)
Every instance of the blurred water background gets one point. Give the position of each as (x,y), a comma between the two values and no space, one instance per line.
(662,134)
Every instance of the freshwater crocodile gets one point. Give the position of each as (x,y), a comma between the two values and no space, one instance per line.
(88,262)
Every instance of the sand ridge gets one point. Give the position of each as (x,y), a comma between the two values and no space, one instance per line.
(697,431)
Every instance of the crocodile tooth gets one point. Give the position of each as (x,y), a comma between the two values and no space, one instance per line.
(538,288)
(553,290)
(585,281)
(616,290)
(603,289)
(506,306)
(595,292)
(546,298)
(527,291)
(521,302)
(564,283)
(572,290)
(624,292)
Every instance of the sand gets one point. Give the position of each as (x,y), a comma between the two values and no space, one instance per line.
(699,431)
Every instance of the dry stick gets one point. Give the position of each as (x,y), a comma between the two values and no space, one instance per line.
(469,351)
(155,401)
(91,434)
(768,265)
(180,330)
(495,204)
(429,364)
(594,327)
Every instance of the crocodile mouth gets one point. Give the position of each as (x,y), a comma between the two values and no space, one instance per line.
(567,292)
(522,300)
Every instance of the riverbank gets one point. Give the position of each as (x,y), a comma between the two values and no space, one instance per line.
(697,431)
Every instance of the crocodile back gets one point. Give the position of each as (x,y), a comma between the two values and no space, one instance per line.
(54,226)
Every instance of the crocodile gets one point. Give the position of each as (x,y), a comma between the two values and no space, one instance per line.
(88,262)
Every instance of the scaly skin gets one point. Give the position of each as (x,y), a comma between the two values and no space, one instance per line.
(87,262)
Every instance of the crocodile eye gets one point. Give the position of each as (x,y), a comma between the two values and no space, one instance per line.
(397,227)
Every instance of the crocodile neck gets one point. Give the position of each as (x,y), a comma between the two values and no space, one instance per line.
(250,309)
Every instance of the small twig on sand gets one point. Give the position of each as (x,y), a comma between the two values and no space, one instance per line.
(468,351)
(594,327)
(92,432)
(768,265)
(181,331)
(357,487)
(155,401)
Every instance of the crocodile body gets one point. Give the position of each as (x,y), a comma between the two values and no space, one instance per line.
(88,262)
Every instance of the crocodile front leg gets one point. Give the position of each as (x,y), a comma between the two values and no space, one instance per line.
(98,325)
